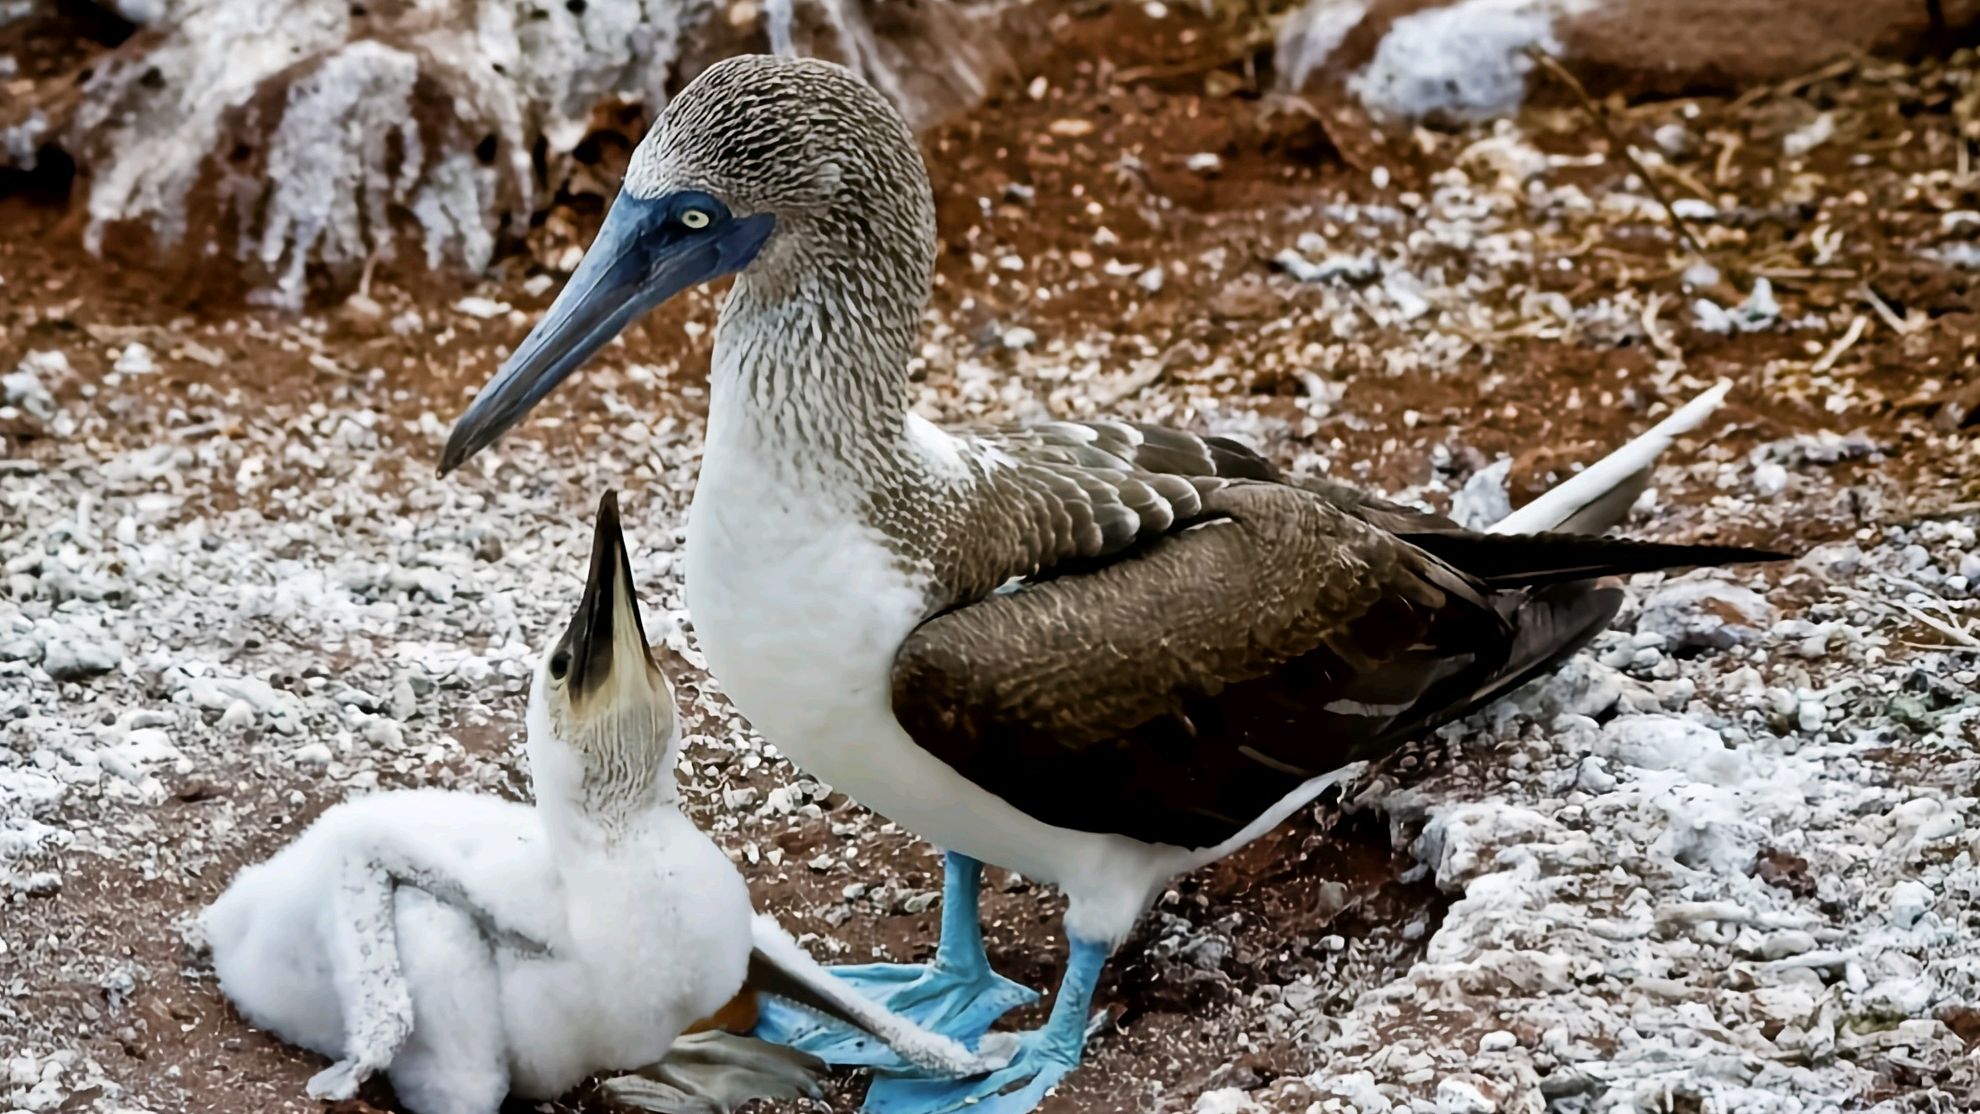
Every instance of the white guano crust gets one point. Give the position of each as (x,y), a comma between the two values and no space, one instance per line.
(356,120)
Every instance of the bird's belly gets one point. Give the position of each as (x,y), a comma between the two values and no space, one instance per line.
(547,1019)
(665,939)
(659,940)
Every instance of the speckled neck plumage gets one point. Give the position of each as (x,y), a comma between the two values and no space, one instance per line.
(811,364)
(813,347)
(815,339)
(814,344)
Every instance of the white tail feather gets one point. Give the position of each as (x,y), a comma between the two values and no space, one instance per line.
(1587,499)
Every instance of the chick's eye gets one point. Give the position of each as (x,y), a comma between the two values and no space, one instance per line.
(560,664)
(694,218)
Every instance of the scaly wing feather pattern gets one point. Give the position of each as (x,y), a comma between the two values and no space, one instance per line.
(1059,498)
(1204,635)
(1203,678)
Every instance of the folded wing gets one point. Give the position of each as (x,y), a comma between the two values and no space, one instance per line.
(1178,692)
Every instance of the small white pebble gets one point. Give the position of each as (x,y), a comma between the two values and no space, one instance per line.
(239,714)
(311,754)
(136,359)
(477,306)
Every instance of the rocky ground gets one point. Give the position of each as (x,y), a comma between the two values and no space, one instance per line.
(1721,863)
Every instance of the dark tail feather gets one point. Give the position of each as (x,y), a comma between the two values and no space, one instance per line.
(1554,623)
(1533,560)
(1551,624)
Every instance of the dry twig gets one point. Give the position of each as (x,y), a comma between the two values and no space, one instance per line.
(1722,167)
(1959,639)
(1842,345)
(1560,73)
(1652,308)
(1794,85)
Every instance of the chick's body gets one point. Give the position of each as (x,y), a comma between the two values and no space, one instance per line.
(655,936)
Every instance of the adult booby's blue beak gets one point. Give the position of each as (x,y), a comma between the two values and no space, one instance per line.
(647,251)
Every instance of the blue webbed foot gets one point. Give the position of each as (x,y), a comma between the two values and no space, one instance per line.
(958,995)
(960,1004)
(1044,1057)
(1015,1088)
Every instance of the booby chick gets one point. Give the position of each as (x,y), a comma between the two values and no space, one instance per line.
(1097,653)
(472,947)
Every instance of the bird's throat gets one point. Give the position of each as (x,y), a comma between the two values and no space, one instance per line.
(809,376)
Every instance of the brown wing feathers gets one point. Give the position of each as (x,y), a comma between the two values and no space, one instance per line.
(1177,693)
(1228,635)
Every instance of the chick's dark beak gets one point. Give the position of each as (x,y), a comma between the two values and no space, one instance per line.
(606,629)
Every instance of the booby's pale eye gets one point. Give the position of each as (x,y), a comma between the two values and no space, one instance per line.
(560,664)
(695,218)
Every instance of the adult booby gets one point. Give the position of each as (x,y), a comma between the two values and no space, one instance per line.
(1097,653)
(471,947)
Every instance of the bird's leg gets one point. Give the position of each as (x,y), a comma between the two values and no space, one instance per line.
(510,917)
(1044,1056)
(371,988)
(958,995)
(959,952)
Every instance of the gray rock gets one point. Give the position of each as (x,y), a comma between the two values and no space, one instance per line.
(72,657)
(22,389)
(405,703)
(1708,614)
(1582,686)
(1483,499)
(1338,268)
(1909,901)
(1779,945)
(25,646)
(312,754)
(1837,560)
(1759,311)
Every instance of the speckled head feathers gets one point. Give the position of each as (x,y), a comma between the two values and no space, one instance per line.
(805,140)
(831,304)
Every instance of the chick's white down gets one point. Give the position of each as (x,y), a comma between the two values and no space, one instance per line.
(472,947)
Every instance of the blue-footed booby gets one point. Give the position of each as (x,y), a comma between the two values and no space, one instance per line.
(1098,653)
(472,947)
